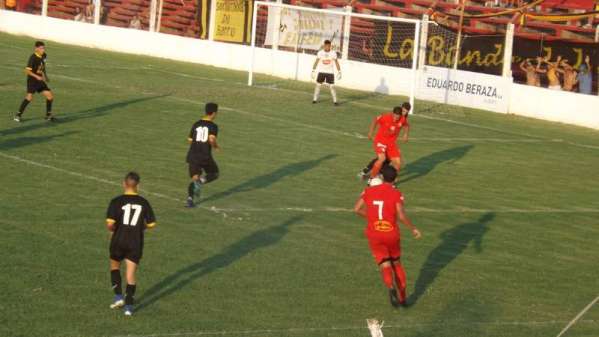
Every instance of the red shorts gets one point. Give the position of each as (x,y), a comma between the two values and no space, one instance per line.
(389,149)
(384,246)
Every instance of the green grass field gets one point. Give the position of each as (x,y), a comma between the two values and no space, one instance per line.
(508,208)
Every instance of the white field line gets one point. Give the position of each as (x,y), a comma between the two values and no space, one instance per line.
(575,319)
(224,211)
(529,139)
(346,328)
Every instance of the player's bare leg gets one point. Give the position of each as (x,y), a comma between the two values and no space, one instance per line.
(130,289)
(28,98)
(316,93)
(378,164)
(115,278)
(388,278)
(49,101)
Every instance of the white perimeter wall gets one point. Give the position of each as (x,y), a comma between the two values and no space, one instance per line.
(528,101)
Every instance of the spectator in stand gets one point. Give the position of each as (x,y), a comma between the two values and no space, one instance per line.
(135,22)
(552,72)
(585,77)
(79,15)
(11,5)
(570,76)
(532,73)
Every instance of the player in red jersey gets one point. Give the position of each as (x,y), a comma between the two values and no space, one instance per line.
(385,141)
(381,205)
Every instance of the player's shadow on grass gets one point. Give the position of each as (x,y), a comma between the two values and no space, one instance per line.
(184,276)
(79,115)
(26,141)
(453,243)
(427,164)
(268,179)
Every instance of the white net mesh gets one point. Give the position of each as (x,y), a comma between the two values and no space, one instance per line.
(287,39)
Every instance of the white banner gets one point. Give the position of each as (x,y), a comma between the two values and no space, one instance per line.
(303,29)
(464,88)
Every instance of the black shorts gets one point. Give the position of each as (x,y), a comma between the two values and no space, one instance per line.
(130,251)
(326,78)
(34,86)
(207,166)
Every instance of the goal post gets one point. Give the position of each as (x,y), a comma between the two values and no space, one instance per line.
(376,53)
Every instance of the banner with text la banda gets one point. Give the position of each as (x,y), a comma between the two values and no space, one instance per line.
(464,88)
(303,29)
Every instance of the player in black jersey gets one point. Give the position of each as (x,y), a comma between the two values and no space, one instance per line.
(37,80)
(202,139)
(128,216)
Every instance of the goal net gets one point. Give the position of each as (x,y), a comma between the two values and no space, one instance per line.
(377,54)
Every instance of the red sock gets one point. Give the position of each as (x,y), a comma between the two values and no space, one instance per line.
(375,169)
(400,275)
(387,273)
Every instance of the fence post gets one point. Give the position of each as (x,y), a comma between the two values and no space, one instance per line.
(276,29)
(153,5)
(45,8)
(423,42)
(507,51)
(212,20)
(97,8)
(346,32)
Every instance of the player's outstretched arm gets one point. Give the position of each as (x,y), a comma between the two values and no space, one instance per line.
(372,128)
(338,69)
(314,67)
(406,133)
(359,208)
(110,224)
(406,221)
(213,143)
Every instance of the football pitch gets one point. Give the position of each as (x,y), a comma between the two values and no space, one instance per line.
(508,208)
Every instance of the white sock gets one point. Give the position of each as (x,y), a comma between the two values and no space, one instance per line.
(334,93)
(317,91)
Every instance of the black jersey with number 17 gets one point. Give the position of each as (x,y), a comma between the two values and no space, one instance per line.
(131,214)
(200,148)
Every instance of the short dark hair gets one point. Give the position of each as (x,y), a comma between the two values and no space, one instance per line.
(389,173)
(211,108)
(39,44)
(407,106)
(397,110)
(327,41)
(132,177)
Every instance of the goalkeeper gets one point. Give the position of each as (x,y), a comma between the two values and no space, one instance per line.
(324,72)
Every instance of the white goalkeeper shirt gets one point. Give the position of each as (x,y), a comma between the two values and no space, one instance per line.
(326,61)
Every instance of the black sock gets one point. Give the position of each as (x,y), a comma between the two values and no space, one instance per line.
(23,106)
(115,277)
(129,292)
(190,189)
(368,167)
(49,106)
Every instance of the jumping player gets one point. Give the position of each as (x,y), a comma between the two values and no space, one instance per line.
(381,205)
(326,73)
(128,216)
(202,139)
(385,141)
(37,80)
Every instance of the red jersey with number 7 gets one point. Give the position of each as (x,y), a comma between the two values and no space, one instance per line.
(389,128)
(381,208)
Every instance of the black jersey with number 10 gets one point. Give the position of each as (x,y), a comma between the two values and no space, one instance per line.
(200,148)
